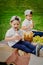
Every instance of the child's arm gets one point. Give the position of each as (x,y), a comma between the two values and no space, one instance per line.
(28,27)
(32,25)
(13,38)
(9,38)
(24,27)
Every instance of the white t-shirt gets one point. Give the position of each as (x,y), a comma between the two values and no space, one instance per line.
(27,23)
(11,32)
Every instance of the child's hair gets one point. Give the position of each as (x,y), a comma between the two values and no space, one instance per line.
(31,12)
(15,18)
(27,12)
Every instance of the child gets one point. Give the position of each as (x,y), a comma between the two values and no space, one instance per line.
(27,24)
(14,37)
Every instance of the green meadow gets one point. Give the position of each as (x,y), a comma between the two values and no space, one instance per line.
(9,8)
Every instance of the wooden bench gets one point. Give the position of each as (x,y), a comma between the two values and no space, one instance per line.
(34,60)
(9,55)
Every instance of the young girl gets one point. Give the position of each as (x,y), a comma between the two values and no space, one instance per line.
(14,37)
(28,25)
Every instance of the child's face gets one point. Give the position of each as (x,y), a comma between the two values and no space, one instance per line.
(15,24)
(29,17)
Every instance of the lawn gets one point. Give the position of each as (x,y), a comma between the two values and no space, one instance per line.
(9,8)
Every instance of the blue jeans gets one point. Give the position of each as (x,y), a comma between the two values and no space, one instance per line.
(38,33)
(25,46)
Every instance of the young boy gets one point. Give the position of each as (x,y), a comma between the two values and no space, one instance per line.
(14,38)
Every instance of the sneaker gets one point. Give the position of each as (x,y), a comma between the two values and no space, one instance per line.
(38,49)
(41,52)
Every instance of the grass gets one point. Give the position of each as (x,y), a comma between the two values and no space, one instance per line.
(9,8)
(38,22)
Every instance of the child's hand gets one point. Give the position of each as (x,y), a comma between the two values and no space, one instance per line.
(16,37)
(29,27)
